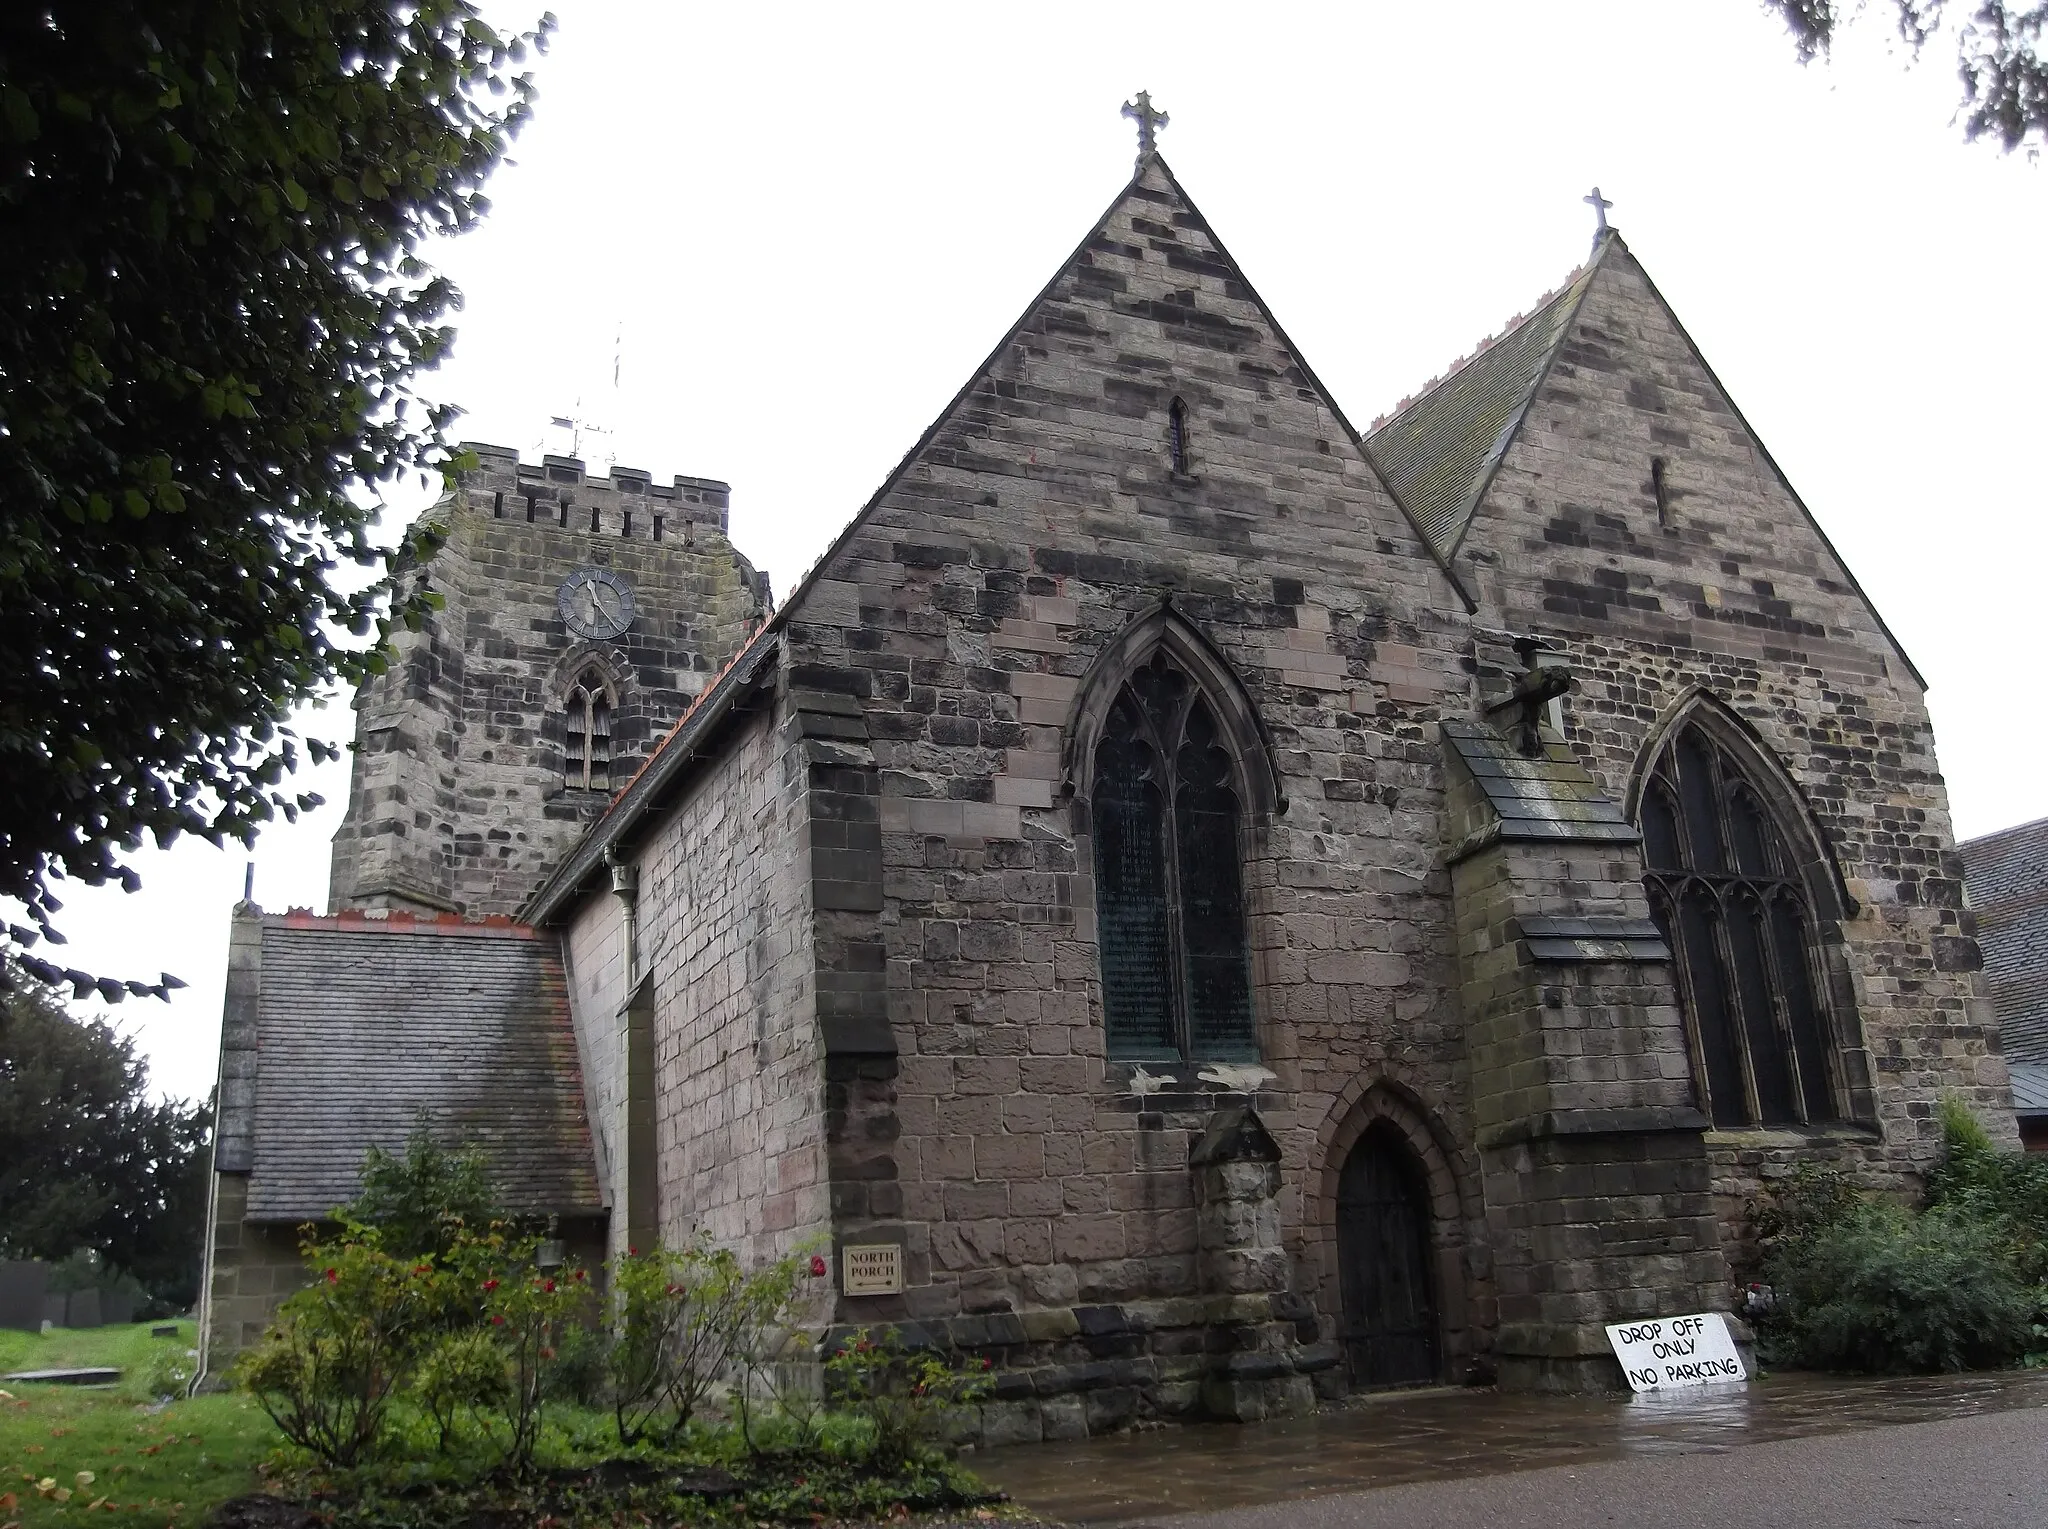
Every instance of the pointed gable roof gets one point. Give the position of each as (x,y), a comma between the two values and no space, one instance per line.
(1438,454)
(1153,175)
(650,786)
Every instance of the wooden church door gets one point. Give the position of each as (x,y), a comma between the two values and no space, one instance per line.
(1389,1323)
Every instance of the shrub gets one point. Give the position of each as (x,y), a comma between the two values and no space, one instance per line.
(327,1369)
(461,1373)
(1879,1288)
(525,1311)
(678,1323)
(1868,1285)
(899,1391)
(420,1201)
(2006,1190)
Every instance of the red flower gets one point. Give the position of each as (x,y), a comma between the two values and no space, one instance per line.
(423,1268)
(579,1274)
(817,1267)
(333,1278)
(497,1321)
(547,1353)
(548,1285)
(490,1284)
(988,1364)
(632,1252)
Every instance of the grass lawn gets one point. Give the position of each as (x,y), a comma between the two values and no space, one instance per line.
(113,1449)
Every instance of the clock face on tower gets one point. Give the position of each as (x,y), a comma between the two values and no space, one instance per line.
(595,603)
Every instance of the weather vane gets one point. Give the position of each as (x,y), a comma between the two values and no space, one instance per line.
(1149,123)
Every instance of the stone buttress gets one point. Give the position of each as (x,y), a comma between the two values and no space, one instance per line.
(1598,1203)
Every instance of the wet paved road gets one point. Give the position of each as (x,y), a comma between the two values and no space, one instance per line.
(1808,1452)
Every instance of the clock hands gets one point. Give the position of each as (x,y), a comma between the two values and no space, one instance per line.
(596,604)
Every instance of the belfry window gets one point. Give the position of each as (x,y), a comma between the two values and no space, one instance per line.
(1741,925)
(1169,885)
(587,738)
(1177,437)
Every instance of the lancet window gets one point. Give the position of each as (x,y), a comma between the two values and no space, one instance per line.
(587,737)
(1168,820)
(1739,918)
(1177,437)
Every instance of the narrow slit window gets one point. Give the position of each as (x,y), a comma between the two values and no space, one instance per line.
(1177,436)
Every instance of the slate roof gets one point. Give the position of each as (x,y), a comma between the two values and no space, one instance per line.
(1549,796)
(2007,878)
(2029,1088)
(363,1022)
(1438,453)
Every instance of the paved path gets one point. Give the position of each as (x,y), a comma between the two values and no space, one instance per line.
(1984,1472)
(1788,1450)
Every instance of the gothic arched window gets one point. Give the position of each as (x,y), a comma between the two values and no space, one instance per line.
(587,737)
(1169,884)
(1740,921)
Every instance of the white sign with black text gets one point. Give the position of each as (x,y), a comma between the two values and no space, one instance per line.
(1676,1351)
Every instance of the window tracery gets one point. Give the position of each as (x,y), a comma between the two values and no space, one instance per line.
(1740,921)
(1169,882)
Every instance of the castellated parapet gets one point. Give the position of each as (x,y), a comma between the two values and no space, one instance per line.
(501,727)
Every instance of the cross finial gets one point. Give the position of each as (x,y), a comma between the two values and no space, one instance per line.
(1149,122)
(1599,204)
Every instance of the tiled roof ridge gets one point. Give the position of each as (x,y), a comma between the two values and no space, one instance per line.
(400,921)
(697,701)
(1528,316)
(2038,828)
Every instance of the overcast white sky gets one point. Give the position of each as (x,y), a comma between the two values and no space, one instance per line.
(811,223)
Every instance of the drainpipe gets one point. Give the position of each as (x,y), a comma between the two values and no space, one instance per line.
(626,887)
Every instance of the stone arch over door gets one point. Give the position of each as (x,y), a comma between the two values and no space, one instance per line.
(1384,1112)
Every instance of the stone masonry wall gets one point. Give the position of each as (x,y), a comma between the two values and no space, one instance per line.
(1043,1197)
(1730,588)
(458,798)
(725,934)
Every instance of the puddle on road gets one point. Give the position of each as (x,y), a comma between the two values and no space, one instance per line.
(1390,1439)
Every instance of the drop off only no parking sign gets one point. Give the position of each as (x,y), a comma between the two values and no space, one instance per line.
(1676,1351)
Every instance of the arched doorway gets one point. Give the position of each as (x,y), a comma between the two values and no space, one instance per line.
(1389,1323)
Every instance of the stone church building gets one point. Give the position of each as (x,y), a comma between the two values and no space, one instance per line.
(1196,903)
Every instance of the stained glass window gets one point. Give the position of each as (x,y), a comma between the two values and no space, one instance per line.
(1169,887)
(1736,913)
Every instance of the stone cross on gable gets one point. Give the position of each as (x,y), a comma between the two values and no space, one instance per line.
(1149,122)
(1599,204)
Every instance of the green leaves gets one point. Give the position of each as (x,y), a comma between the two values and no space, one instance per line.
(87,1158)
(1998,57)
(210,305)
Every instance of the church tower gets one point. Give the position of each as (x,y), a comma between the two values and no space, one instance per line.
(581,616)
